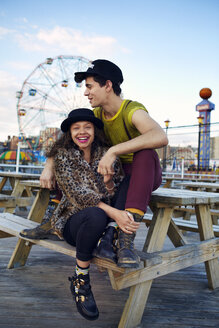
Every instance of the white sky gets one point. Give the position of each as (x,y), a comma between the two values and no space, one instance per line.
(167,49)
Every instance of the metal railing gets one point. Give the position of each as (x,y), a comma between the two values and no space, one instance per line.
(32,169)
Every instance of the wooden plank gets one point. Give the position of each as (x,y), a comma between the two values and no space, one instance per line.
(2,183)
(24,201)
(174,260)
(20,254)
(31,183)
(20,175)
(183,197)
(206,232)
(138,294)
(39,206)
(183,225)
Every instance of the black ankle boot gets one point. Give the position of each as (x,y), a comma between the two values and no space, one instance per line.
(84,298)
(43,230)
(106,248)
(126,254)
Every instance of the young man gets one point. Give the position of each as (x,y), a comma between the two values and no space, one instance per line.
(133,136)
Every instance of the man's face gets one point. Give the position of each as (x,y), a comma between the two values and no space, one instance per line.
(95,93)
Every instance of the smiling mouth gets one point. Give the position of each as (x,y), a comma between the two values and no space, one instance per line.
(83,139)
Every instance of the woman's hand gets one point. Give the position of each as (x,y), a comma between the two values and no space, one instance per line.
(47,178)
(124,219)
(126,222)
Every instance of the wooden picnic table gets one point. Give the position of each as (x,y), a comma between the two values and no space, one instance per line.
(169,180)
(155,262)
(13,177)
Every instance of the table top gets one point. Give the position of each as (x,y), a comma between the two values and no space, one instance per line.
(183,197)
(199,184)
(31,183)
(19,175)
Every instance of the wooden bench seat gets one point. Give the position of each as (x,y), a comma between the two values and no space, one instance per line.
(11,225)
(183,224)
(7,201)
(213,211)
(187,211)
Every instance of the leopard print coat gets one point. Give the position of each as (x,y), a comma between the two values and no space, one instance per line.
(80,183)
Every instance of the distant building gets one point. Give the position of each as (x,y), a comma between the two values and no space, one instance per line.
(49,136)
(214,141)
(13,143)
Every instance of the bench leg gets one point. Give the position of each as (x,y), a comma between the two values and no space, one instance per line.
(138,295)
(2,183)
(135,305)
(206,232)
(17,192)
(20,254)
(39,206)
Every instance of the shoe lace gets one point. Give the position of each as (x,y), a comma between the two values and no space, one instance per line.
(128,240)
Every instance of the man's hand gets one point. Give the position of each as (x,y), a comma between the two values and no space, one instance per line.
(106,163)
(47,178)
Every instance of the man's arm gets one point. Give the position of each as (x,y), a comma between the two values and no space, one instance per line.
(47,178)
(152,137)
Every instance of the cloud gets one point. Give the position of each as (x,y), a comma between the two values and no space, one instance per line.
(20,66)
(5,31)
(8,87)
(68,40)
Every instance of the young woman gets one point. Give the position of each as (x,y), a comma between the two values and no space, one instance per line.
(85,207)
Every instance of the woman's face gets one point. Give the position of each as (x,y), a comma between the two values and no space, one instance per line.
(82,134)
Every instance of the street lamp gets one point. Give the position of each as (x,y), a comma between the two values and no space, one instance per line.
(165,148)
(200,122)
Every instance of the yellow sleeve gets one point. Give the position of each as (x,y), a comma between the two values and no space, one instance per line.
(134,105)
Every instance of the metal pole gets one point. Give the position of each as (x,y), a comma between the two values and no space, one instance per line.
(18,156)
(165,148)
(182,169)
(199,137)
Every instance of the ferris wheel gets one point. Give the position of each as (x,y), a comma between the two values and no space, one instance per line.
(49,93)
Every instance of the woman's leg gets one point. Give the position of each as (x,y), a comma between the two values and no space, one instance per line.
(106,248)
(83,230)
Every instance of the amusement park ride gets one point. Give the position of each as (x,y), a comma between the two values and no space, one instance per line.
(204,108)
(48,94)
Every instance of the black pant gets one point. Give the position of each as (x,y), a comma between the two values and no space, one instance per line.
(85,228)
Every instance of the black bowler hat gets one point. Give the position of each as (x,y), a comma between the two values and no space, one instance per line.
(103,68)
(80,114)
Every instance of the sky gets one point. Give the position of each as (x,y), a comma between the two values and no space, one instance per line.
(168,50)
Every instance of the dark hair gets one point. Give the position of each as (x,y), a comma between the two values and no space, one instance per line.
(102,81)
(65,141)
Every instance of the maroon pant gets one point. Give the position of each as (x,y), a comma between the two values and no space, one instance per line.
(145,176)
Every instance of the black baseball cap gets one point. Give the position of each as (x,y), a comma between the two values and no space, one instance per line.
(104,68)
(81,114)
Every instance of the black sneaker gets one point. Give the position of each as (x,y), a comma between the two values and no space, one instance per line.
(84,298)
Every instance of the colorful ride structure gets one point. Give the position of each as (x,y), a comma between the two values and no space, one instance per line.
(204,108)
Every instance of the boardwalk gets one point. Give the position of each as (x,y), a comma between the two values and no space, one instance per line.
(38,294)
